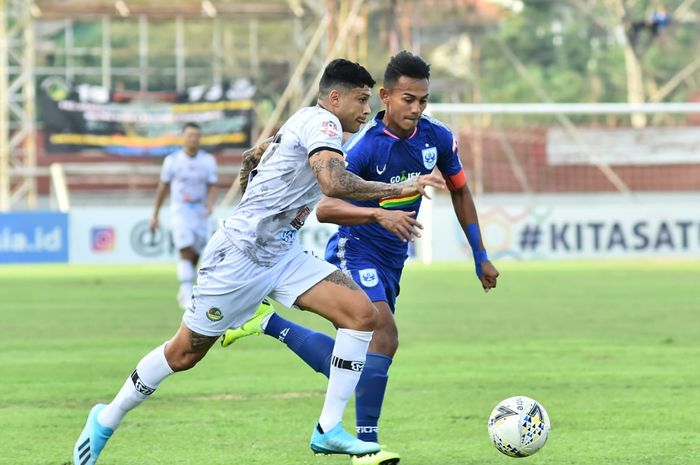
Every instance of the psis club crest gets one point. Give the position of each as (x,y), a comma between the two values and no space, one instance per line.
(429,158)
(368,277)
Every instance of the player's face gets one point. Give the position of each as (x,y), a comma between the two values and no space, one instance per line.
(192,136)
(405,103)
(353,108)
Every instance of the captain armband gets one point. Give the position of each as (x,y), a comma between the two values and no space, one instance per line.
(456,181)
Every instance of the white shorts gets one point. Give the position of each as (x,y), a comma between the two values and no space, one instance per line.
(230,286)
(188,232)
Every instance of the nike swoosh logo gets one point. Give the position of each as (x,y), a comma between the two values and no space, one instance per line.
(380,172)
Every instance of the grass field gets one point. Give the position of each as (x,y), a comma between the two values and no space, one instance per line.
(611,349)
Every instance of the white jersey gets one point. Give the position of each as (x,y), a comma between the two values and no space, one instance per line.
(282,191)
(189,178)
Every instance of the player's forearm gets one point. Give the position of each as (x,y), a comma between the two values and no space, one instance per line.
(465,210)
(337,182)
(339,212)
(211,196)
(160,197)
(466,214)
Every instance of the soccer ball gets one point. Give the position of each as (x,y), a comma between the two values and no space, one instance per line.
(519,426)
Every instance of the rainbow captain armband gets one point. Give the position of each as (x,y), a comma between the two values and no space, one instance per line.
(474,239)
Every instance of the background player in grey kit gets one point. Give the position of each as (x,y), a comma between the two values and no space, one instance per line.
(190,174)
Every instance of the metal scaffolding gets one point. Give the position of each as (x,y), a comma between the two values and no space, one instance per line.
(17,106)
(42,38)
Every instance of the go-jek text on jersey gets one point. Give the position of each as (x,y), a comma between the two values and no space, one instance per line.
(376,154)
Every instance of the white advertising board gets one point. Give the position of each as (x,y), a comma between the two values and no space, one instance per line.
(123,235)
(585,226)
(514,227)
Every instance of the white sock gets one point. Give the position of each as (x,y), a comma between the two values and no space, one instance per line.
(349,355)
(149,373)
(185,275)
(185,292)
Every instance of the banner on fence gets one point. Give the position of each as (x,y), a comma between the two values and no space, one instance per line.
(87,117)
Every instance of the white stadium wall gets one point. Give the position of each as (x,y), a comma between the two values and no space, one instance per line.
(575,227)
(122,235)
(514,227)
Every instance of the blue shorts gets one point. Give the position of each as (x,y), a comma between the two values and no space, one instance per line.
(380,283)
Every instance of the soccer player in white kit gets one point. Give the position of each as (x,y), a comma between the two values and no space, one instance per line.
(190,173)
(256,253)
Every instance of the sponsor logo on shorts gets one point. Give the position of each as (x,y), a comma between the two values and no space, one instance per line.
(368,277)
(214,314)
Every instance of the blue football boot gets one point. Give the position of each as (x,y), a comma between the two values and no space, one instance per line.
(92,440)
(339,441)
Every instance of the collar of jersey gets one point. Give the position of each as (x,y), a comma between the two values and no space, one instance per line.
(382,127)
(191,157)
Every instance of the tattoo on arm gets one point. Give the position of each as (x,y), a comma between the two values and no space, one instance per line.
(347,185)
(338,277)
(251,158)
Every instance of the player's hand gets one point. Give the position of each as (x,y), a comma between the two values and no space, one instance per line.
(489,276)
(400,222)
(418,185)
(154,223)
(209,210)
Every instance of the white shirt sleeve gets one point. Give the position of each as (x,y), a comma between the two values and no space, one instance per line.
(323,130)
(167,173)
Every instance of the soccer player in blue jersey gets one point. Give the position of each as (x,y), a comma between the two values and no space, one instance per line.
(372,242)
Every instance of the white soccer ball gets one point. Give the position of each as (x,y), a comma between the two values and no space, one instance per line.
(519,426)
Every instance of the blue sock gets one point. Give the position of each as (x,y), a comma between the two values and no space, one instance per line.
(312,347)
(369,395)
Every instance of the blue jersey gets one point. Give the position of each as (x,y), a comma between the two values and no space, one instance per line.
(376,154)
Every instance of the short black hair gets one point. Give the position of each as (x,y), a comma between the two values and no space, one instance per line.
(341,73)
(405,64)
(191,125)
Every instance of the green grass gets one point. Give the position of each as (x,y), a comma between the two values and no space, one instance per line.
(611,349)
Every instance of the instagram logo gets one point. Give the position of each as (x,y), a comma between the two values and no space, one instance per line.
(103,238)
